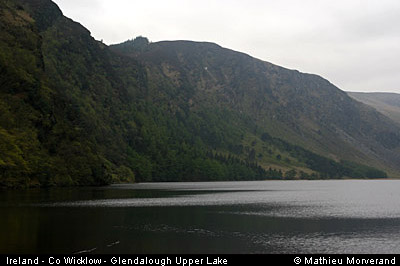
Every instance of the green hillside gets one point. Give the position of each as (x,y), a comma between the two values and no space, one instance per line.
(301,109)
(74,111)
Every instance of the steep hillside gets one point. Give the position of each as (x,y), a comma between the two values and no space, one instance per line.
(57,105)
(386,103)
(299,108)
(74,111)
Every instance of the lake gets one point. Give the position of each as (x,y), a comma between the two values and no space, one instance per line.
(339,216)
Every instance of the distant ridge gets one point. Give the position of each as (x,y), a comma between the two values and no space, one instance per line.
(385,102)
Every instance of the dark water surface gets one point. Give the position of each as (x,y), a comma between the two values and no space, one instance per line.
(346,216)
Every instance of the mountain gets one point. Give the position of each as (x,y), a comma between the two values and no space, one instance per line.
(386,103)
(74,111)
(301,109)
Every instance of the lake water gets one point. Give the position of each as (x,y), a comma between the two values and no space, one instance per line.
(341,216)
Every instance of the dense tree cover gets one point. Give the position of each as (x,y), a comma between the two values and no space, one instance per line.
(75,112)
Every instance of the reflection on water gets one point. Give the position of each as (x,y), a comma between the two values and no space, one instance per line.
(346,216)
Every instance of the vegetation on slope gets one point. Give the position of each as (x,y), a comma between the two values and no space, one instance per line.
(75,112)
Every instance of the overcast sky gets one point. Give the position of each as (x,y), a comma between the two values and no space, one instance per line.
(354,44)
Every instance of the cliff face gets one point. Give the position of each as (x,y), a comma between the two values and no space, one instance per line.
(74,111)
